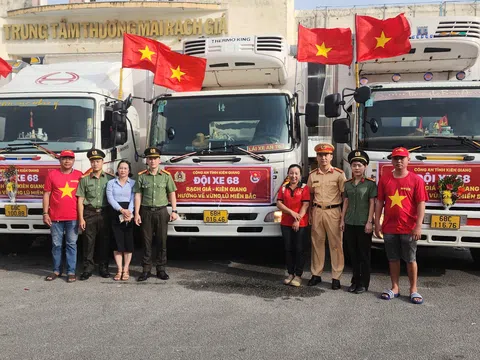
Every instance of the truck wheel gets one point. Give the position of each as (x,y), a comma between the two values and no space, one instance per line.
(15,243)
(475,252)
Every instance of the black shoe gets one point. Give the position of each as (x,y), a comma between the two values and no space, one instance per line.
(85,275)
(352,288)
(104,273)
(144,276)
(314,280)
(335,284)
(360,290)
(162,275)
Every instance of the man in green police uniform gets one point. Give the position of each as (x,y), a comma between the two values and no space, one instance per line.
(93,216)
(153,190)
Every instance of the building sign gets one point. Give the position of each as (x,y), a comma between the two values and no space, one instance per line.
(223,184)
(115,29)
(431,173)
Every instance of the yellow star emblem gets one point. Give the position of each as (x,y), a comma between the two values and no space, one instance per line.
(396,199)
(146,53)
(382,40)
(177,73)
(322,50)
(66,190)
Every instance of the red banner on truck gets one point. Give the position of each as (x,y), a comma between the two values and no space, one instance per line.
(223,184)
(30,180)
(432,172)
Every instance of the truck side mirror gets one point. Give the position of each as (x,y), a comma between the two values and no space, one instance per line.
(341,131)
(362,94)
(311,114)
(120,115)
(332,105)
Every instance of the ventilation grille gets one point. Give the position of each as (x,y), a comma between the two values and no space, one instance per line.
(195,47)
(269,43)
(469,29)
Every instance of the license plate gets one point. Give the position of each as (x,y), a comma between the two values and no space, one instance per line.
(215,216)
(16,210)
(448,222)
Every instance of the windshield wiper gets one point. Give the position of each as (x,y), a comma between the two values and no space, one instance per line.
(28,145)
(462,139)
(210,150)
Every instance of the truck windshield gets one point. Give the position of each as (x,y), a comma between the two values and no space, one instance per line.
(258,123)
(59,123)
(433,119)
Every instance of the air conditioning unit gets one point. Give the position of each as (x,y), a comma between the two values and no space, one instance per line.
(241,60)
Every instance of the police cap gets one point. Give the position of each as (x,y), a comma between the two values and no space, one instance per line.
(358,155)
(94,154)
(324,148)
(152,152)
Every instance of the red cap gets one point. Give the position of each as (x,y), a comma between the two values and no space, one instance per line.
(400,151)
(67,153)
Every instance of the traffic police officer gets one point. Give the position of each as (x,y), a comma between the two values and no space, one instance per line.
(153,190)
(93,215)
(326,185)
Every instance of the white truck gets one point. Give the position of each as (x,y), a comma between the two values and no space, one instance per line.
(427,101)
(48,108)
(228,146)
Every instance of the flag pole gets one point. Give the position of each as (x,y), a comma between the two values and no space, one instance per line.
(357,75)
(120,85)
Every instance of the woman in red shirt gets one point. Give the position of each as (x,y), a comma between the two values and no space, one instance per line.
(293,199)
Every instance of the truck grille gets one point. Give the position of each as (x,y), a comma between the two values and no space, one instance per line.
(269,43)
(195,47)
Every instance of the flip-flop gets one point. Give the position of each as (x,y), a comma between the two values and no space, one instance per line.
(416,298)
(389,295)
(51,277)
(71,278)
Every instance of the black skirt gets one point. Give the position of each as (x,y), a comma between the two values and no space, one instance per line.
(122,231)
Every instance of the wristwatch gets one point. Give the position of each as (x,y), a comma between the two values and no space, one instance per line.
(175,211)
(45,213)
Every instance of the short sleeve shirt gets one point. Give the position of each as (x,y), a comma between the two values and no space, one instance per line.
(62,188)
(294,199)
(154,187)
(400,197)
(327,188)
(94,189)
(359,200)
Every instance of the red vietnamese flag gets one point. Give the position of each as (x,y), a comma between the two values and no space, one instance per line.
(378,39)
(179,72)
(325,46)
(5,68)
(140,52)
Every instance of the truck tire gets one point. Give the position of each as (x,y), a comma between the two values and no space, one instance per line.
(475,252)
(13,244)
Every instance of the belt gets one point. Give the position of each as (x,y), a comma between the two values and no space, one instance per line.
(326,207)
(94,209)
(154,208)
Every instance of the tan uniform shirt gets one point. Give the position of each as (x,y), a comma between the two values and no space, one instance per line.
(327,188)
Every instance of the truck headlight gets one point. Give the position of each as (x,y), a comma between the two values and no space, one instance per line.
(274,216)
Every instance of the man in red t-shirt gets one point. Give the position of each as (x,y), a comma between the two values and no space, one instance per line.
(60,213)
(402,196)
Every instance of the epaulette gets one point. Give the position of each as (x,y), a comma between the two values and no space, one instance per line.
(370,179)
(314,170)
(142,172)
(85,175)
(166,172)
(339,170)
(112,175)
(349,180)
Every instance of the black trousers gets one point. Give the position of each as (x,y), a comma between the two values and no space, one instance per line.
(294,249)
(359,245)
(154,232)
(96,238)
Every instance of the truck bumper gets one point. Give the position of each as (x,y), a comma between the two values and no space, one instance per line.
(32,224)
(242,222)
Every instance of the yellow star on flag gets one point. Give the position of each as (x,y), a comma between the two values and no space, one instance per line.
(177,73)
(146,53)
(396,199)
(382,40)
(322,50)
(66,190)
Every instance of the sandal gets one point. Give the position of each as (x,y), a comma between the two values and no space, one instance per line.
(125,276)
(71,278)
(416,298)
(389,295)
(52,277)
(118,276)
